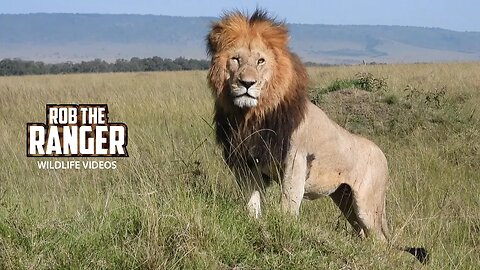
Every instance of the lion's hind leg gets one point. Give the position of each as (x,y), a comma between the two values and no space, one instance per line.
(343,198)
(367,217)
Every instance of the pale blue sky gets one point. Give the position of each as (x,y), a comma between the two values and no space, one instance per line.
(461,15)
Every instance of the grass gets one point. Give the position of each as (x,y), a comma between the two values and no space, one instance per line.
(174,204)
(362,80)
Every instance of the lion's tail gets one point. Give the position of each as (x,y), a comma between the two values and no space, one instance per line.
(419,252)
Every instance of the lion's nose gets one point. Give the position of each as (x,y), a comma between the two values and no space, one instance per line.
(247,84)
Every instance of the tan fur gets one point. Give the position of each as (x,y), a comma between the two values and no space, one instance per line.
(339,157)
(313,156)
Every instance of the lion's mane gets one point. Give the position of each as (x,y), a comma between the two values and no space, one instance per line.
(259,134)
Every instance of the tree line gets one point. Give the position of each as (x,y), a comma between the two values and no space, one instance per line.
(17,67)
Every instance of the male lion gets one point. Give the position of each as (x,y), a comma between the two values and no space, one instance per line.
(270,130)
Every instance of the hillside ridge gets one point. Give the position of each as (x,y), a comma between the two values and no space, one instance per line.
(57,37)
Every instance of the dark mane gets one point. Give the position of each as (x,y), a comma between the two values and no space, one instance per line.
(261,15)
(259,135)
(263,139)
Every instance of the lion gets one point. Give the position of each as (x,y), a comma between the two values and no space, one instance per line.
(269,129)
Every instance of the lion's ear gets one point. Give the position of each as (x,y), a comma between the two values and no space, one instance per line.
(213,38)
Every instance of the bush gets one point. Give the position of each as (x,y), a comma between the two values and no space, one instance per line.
(366,81)
(362,80)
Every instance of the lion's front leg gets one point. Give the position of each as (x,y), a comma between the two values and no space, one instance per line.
(254,205)
(293,183)
(253,189)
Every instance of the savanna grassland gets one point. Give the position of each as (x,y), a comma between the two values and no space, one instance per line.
(174,204)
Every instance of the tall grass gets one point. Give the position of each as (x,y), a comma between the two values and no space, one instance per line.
(174,204)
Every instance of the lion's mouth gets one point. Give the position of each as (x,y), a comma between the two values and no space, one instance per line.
(252,92)
(245,100)
(246,94)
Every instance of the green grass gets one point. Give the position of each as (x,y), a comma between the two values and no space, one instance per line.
(174,204)
(362,80)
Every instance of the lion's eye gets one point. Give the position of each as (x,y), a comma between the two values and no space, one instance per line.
(261,61)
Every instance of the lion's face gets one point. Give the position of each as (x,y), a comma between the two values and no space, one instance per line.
(249,70)
(252,67)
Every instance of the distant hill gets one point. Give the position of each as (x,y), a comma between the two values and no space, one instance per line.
(77,37)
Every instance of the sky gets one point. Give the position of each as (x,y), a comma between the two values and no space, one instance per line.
(459,15)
